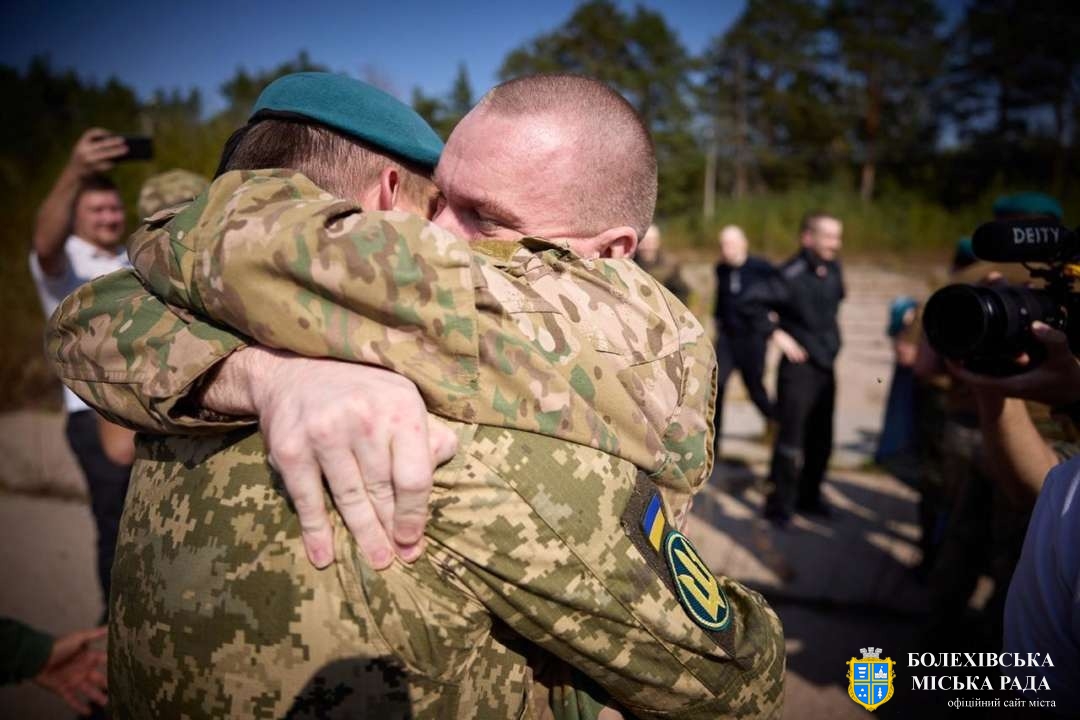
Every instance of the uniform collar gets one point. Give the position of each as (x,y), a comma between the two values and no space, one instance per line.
(504,251)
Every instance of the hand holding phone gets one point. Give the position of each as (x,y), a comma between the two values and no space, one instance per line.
(140,147)
(96,151)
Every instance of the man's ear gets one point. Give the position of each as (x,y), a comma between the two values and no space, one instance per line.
(389,185)
(617,242)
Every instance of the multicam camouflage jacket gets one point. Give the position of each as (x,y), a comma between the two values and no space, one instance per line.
(498,340)
(523,335)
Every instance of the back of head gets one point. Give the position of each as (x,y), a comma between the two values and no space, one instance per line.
(338,131)
(343,166)
(615,180)
(167,189)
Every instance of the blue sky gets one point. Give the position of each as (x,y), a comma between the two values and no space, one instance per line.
(197,43)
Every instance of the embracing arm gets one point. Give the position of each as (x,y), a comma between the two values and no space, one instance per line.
(279,260)
(136,360)
(363,428)
(140,362)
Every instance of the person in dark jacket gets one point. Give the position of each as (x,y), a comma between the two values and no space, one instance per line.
(740,338)
(805,294)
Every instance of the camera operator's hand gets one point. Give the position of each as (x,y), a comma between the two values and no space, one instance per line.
(788,345)
(96,151)
(1055,382)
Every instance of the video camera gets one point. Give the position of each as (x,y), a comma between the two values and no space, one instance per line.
(988,326)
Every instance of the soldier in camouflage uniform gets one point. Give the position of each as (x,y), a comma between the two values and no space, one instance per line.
(566,394)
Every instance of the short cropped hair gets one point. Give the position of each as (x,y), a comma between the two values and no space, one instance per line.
(341,165)
(617,182)
(810,220)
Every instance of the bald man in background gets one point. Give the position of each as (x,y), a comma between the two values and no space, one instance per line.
(741,338)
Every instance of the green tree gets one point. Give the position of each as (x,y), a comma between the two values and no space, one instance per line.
(461,94)
(243,88)
(775,113)
(443,113)
(890,54)
(429,107)
(1014,76)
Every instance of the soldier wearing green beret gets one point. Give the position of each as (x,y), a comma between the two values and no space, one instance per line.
(567,375)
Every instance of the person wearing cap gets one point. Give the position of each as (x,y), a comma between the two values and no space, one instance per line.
(568,435)
(169,188)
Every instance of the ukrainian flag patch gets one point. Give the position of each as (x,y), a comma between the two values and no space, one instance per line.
(653,523)
(677,562)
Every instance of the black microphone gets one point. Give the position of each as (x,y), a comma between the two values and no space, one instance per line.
(1024,241)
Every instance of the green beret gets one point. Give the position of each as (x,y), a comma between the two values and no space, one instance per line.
(964,254)
(353,108)
(1028,203)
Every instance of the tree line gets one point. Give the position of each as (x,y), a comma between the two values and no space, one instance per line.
(800,92)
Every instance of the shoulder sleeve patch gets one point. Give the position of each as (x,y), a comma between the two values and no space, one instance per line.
(675,560)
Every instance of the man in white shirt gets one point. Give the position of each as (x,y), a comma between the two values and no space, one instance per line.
(79,235)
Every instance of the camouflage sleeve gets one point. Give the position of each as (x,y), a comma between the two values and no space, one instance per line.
(690,434)
(292,267)
(134,359)
(582,560)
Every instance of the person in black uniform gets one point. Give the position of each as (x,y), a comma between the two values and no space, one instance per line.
(806,295)
(740,338)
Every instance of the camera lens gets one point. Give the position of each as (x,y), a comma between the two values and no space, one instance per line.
(966,321)
(957,319)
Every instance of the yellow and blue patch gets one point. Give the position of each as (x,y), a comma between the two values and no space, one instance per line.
(653,523)
(697,588)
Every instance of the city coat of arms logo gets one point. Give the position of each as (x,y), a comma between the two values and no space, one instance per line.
(870,680)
